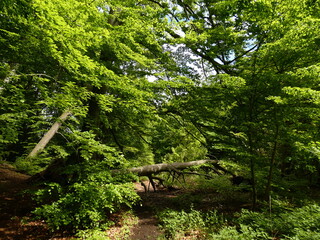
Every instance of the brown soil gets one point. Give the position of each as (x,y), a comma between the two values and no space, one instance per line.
(146,229)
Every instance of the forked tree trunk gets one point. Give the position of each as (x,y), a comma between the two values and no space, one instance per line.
(47,137)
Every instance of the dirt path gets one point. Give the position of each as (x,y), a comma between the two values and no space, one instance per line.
(146,229)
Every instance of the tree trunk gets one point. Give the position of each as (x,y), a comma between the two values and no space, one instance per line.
(51,173)
(252,172)
(157,168)
(272,162)
(47,137)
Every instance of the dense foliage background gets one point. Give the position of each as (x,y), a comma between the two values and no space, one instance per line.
(149,82)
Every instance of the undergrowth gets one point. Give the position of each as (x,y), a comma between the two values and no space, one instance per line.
(124,224)
(302,223)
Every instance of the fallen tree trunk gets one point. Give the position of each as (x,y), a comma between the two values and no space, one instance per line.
(147,170)
(47,137)
(161,167)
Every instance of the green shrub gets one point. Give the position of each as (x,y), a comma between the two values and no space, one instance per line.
(85,205)
(177,224)
(214,221)
(257,221)
(289,223)
(243,233)
(222,184)
(33,165)
(91,192)
(304,219)
(126,222)
(299,223)
(92,234)
(305,235)
(186,200)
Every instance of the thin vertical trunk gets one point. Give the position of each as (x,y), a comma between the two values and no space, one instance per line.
(252,103)
(49,135)
(254,187)
(252,158)
(272,161)
(253,179)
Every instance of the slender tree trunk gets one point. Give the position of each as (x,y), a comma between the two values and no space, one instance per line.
(49,135)
(272,161)
(254,187)
(252,172)
(252,118)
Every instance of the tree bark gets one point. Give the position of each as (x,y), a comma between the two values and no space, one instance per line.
(49,135)
(156,168)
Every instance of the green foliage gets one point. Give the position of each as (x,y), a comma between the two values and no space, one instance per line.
(254,98)
(184,201)
(86,192)
(235,80)
(92,234)
(297,223)
(19,110)
(177,224)
(304,219)
(243,233)
(305,235)
(32,166)
(176,140)
(221,184)
(125,223)
(283,221)
(185,152)
(85,205)
(39,163)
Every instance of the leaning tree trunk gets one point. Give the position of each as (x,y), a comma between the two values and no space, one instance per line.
(49,135)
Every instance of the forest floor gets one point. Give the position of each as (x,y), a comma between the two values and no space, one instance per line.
(15,217)
(16,222)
